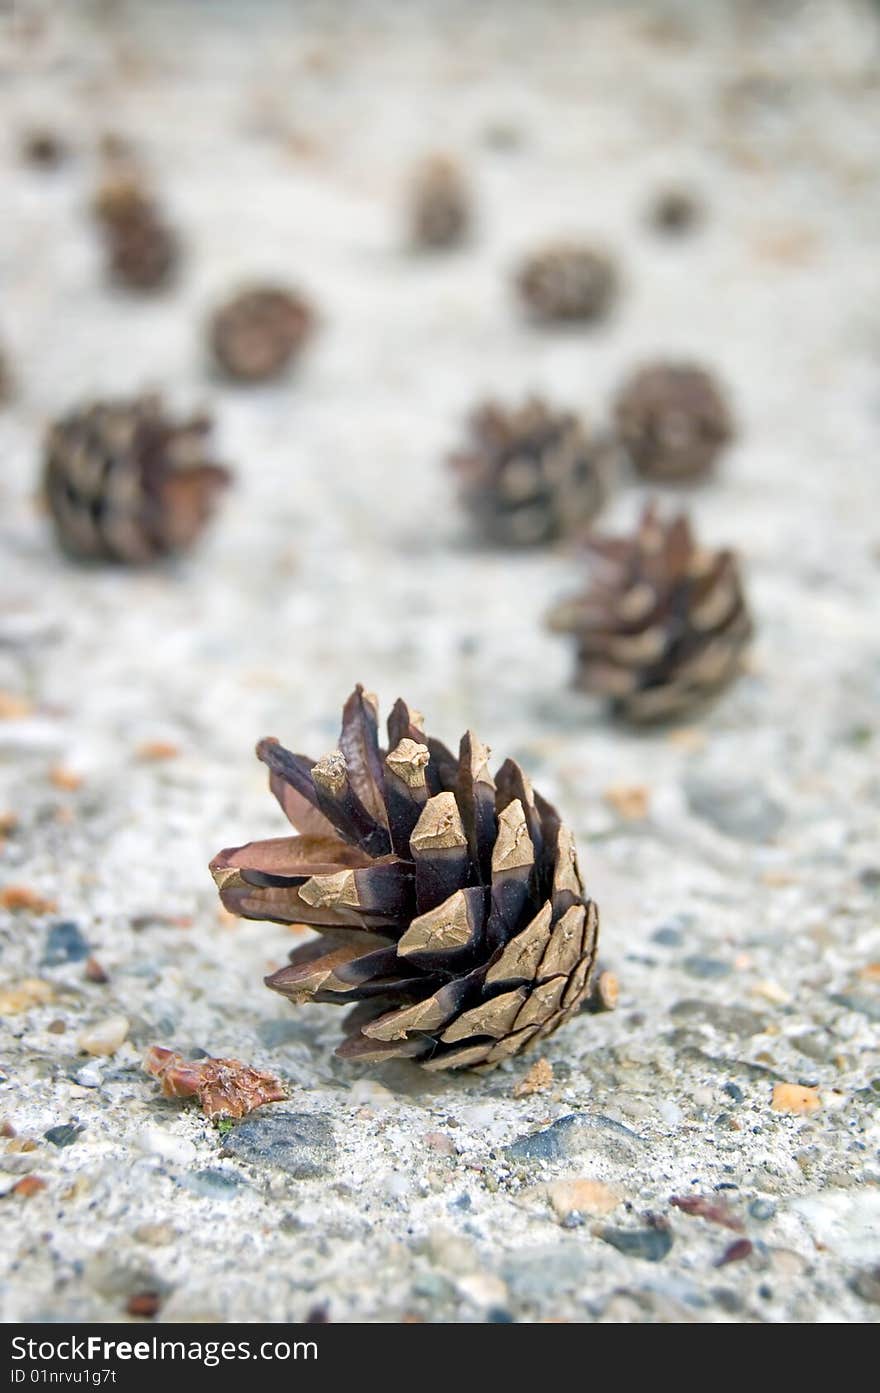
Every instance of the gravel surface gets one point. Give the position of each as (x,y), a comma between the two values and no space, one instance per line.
(738,882)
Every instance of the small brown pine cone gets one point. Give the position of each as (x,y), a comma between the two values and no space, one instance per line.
(568,281)
(258,332)
(125,483)
(675,211)
(43,147)
(142,250)
(673,421)
(448,904)
(440,204)
(531,474)
(663,626)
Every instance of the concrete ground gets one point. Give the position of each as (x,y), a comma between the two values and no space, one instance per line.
(738,884)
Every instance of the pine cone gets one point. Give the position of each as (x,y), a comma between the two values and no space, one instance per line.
(43,147)
(530,474)
(126,483)
(664,624)
(568,281)
(440,204)
(675,211)
(672,420)
(256,334)
(142,250)
(449,905)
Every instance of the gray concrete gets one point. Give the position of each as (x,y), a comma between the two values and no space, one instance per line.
(740,916)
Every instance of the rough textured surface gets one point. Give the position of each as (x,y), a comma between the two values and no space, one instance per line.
(131,703)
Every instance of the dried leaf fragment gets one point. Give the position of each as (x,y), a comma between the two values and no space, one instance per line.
(716,1211)
(538,1078)
(224,1087)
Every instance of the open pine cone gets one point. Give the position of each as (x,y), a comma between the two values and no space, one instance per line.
(530,474)
(142,250)
(255,334)
(125,483)
(568,281)
(673,420)
(664,624)
(440,204)
(449,905)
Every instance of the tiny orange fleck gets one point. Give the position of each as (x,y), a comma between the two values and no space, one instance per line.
(631,801)
(157,750)
(795,1097)
(65,779)
(13,708)
(20,897)
(28,1185)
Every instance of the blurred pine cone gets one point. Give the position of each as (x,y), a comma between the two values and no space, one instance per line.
(43,147)
(142,250)
(440,204)
(568,281)
(530,474)
(672,420)
(255,334)
(449,905)
(664,624)
(675,211)
(125,483)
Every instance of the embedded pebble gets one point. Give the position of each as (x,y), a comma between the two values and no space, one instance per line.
(65,944)
(301,1144)
(740,809)
(575,1133)
(64,1135)
(651,1244)
(583,1197)
(104,1037)
(212,1183)
(155,1141)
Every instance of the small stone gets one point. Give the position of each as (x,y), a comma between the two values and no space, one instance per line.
(734,1091)
(795,1098)
(95,972)
(57,1027)
(708,969)
(575,1133)
(155,1235)
(483,1289)
(212,1183)
(25,995)
(866,1284)
(104,1037)
(21,899)
(632,802)
(739,809)
(866,1003)
(762,1209)
(670,1112)
(302,1144)
(772,992)
(28,1186)
(730,1020)
(439,1141)
(715,1211)
(64,944)
(145,1304)
(650,1244)
(538,1078)
(89,1076)
(64,1135)
(668,936)
(582,1197)
(155,1141)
